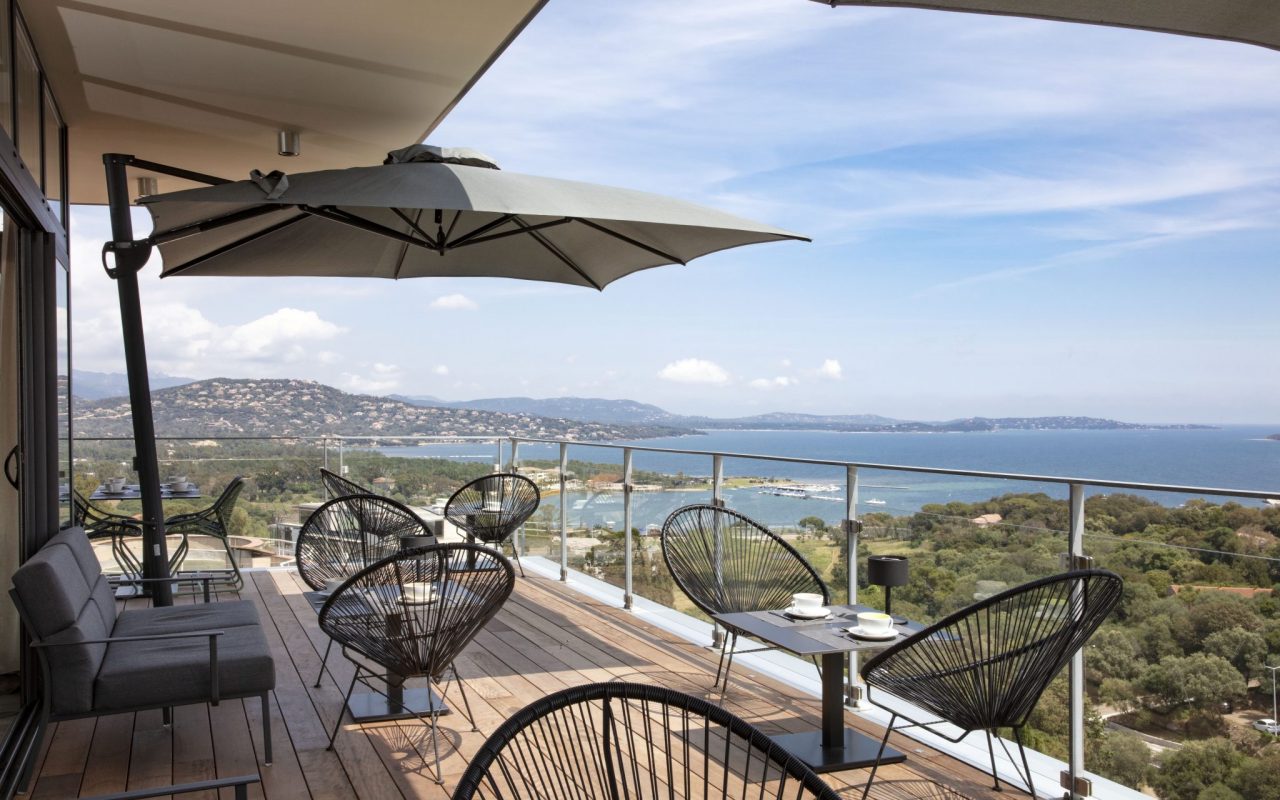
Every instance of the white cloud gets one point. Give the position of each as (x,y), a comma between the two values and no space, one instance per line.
(694,370)
(363,384)
(831,369)
(454,302)
(287,334)
(780,382)
(441,370)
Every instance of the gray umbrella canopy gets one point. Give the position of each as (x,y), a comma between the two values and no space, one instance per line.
(1249,21)
(434,212)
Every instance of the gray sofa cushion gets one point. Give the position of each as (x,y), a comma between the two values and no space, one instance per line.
(175,619)
(174,672)
(60,607)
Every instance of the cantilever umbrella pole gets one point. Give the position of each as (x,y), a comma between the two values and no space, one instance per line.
(130,257)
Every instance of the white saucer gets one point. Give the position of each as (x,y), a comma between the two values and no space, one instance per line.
(819,613)
(857,632)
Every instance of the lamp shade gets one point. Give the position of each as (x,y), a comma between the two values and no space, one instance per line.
(887,570)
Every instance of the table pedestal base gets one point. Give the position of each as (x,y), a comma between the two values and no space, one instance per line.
(404,703)
(857,751)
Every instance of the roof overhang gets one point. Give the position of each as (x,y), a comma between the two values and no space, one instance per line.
(208,86)
(1249,21)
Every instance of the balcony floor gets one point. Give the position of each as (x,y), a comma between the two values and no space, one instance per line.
(547,637)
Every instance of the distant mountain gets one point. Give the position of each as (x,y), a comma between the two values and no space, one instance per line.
(86,385)
(630,412)
(586,409)
(419,400)
(791,421)
(223,406)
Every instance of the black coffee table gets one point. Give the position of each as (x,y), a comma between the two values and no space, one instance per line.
(833,747)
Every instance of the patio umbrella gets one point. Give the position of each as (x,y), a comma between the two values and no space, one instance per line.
(435,212)
(426,211)
(1249,21)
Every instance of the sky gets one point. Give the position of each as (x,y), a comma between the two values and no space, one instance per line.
(1009,218)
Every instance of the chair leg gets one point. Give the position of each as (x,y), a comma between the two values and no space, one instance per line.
(729,664)
(991,751)
(462,687)
(323,663)
(1017,735)
(166,716)
(266,728)
(343,710)
(435,733)
(516,556)
(724,647)
(884,741)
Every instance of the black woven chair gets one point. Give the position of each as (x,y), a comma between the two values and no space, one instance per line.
(616,741)
(347,534)
(338,486)
(985,666)
(214,523)
(491,508)
(100,524)
(376,616)
(726,562)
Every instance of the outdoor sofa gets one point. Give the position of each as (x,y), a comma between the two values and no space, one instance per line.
(95,660)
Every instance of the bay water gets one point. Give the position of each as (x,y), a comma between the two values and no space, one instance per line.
(1230,457)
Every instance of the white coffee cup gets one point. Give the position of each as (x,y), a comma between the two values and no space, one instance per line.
(806,600)
(419,592)
(115,484)
(875,622)
(178,486)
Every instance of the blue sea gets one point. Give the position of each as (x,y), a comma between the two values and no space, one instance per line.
(1232,457)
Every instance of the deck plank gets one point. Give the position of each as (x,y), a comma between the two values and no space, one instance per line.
(546,638)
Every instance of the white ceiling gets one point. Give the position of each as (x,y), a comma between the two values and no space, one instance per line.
(206,85)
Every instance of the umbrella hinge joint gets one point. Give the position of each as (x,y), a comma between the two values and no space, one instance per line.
(131,256)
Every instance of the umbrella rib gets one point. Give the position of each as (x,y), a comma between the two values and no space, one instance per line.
(528,229)
(213,223)
(483,229)
(542,240)
(233,245)
(404,248)
(413,224)
(347,218)
(630,241)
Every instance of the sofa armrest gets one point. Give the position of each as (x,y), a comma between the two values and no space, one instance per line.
(212,635)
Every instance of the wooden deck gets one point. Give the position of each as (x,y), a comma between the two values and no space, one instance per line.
(546,638)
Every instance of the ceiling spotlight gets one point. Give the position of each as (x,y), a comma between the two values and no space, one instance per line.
(290,143)
(147,186)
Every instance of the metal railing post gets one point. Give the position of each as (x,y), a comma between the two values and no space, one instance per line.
(627,573)
(717,500)
(342,467)
(498,463)
(564,512)
(518,543)
(325,442)
(1075,674)
(853,690)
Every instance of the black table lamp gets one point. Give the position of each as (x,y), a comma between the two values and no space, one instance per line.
(888,571)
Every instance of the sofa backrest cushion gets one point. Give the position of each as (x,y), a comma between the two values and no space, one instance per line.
(63,598)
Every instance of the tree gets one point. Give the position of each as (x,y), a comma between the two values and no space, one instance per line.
(1246,650)
(1199,681)
(1122,757)
(1115,653)
(814,525)
(1185,773)
(1259,778)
